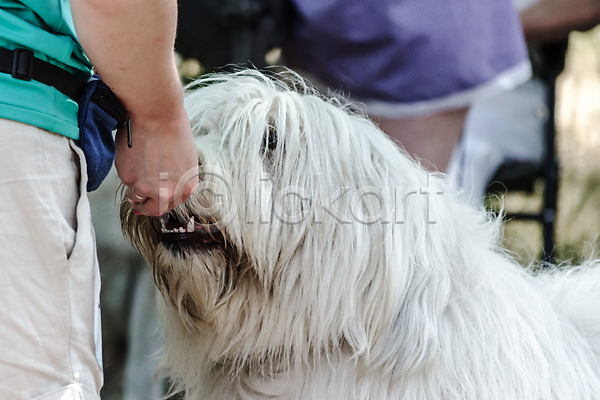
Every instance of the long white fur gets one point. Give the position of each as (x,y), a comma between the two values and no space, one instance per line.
(355,311)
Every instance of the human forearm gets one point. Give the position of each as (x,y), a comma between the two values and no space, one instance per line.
(552,20)
(130,44)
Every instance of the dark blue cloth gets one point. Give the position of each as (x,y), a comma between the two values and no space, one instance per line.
(95,133)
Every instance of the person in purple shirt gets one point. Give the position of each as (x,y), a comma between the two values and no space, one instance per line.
(415,65)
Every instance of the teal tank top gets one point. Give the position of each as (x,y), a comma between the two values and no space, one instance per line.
(46,28)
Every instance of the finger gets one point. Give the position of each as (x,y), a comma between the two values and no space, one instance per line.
(134,197)
(190,188)
(185,186)
(151,208)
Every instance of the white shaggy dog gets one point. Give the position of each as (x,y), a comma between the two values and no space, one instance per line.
(318,261)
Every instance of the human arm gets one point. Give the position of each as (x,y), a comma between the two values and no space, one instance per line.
(130,44)
(552,20)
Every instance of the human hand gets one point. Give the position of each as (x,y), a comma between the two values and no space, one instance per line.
(160,169)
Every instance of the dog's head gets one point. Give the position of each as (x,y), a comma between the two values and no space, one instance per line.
(303,208)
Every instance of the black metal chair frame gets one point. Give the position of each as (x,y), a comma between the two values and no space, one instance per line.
(549,62)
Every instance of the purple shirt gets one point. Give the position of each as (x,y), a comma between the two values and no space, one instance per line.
(405,51)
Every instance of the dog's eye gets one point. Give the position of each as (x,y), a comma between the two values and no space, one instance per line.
(270,139)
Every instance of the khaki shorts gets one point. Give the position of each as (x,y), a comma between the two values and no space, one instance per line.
(49,279)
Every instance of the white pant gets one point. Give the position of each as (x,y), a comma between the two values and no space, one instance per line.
(49,277)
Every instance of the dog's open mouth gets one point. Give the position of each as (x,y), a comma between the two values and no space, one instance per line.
(179,234)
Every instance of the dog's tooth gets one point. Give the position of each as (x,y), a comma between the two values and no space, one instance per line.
(182,230)
(190,225)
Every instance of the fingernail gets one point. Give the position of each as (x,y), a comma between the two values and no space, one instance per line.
(137,212)
(129,200)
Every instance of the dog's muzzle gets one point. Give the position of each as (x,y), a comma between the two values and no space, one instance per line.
(176,233)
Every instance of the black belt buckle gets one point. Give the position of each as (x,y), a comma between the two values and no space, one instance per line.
(22,67)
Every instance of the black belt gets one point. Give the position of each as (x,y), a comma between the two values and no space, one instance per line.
(21,64)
